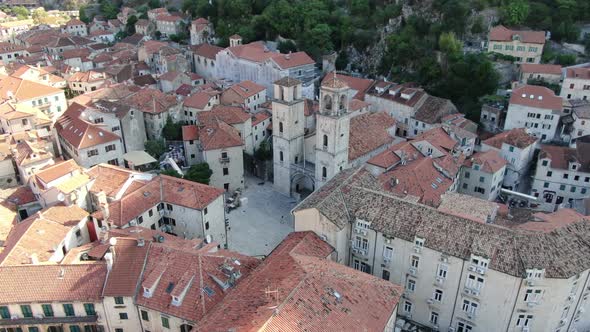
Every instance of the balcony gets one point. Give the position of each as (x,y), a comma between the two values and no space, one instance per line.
(48,320)
(224,160)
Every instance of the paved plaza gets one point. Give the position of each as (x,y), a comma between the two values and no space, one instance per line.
(262,222)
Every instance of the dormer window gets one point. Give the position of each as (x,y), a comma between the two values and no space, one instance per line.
(147,292)
(479,264)
(175,301)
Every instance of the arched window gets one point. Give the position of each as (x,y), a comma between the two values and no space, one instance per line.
(324,172)
(327,102)
(280,127)
(186,328)
(325,141)
(342,102)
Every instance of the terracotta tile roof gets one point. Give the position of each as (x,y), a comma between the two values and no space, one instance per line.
(259,117)
(336,297)
(469,207)
(150,100)
(52,283)
(406,94)
(40,234)
(190,133)
(433,109)
(128,264)
(109,179)
(540,68)
(228,114)
(184,90)
(207,50)
(87,77)
(501,33)
(291,60)
(560,156)
(24,89)
(169,75)
(536,96)
(75,21)
(517,137)
(144,80)
(13,197)
(333,81)
(83,53)
(360,85)
(582,73)
(28,152)
(369,132)
(162,188)
(172,272)
(217,134)
(549,222)
(168,18)
(142,22)
(153,46)
(80,133)
(489,161)
(247,89)
(56,171)
(198,100)
(391,156)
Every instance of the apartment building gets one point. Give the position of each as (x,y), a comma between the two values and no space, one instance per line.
(562,175)
(531,73)
(536,108)
(168,25)
(576,83)
(246,94)
(17,118)
(10,52)
(524,46)
(39,75)
(204,59)
(49,100)
(234,116)
(459,273)
(31,155)
(201,31)
(144,27)
(482,175)
(580,120)
(75,27)
(82,82)
(254,62)
(156,108)
(88,143)
(260,128)
(517,147)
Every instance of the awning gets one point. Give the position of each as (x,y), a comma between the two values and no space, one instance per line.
(138,158)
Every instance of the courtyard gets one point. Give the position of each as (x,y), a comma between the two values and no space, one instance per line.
(263,220)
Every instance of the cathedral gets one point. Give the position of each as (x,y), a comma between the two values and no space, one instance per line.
(310,147)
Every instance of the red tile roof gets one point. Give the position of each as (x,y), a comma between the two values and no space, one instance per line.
(128,264)
(56,171)
(149,100)
(79,133)
(217,134)
(257,52)
(360,85)
(75,21)
(198,100)
(110,179)
(369,132)
(247,89)
(207,50)
(540,68)
(259,117)
(501,33)
(335,297)
(228,114)
(190,133)
(52,283)
(490,161)
(286,61)
(536,96)
(517,137)
(579,73)
(549,222)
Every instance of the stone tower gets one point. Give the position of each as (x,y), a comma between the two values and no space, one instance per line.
(332,130)
(288,122)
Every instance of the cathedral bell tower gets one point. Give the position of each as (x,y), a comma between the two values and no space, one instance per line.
(288,122)
(332,129)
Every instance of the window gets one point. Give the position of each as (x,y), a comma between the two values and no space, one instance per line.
(140,219)
(497,47)
(467,175)
(573,189)
(549,173)
(562,187)
(524,320)
(434,318)
(47,310)
(475,282)
(464,327)
(281,155)
(532,295)
(520,48)
(111,147)
(69,309)
(119,300)
(26,310)
(407,306)
(280,127)
(438,295)
(225,171)
(123,315)
(115,128)
(325,141)
(385,275)
(324,172)
(411,285)
(33,329)
(93,152)
(207,225)
(576,178)
(387,253)
(75,328)
(89,308)
(442,271)
(470,307)
(169,207)
(415,261)
(165,322)
(145,316)
(482,179)
(511,149)
(4,312)
(565,175)
(118,330)
(150,212)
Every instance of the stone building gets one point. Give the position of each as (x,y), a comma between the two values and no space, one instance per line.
(524,46)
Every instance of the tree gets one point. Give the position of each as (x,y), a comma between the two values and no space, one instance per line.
(264,151)
(287,46)
(83,17)
(21,12)
(39,15)
(158,34)
(199,173)
(478,25)
(155,148)
(172,130)
(171,172)
(449,44)
(154,4)
(108,9)
(565,60)
(130,26)
(516,12)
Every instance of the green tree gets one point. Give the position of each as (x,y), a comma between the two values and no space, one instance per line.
(39,15)
(515,12)
(155,148)
(286,46)
(21,12)
(199,173)
(158,34)
(108,9)
(171,172)
(478,25)
(83,17)
(130,26)
(154,4)
(264,151)
(172,130)
(565,59)
(449,44)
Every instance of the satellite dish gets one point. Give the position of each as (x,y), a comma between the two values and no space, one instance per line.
(61,197)
(113,241)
